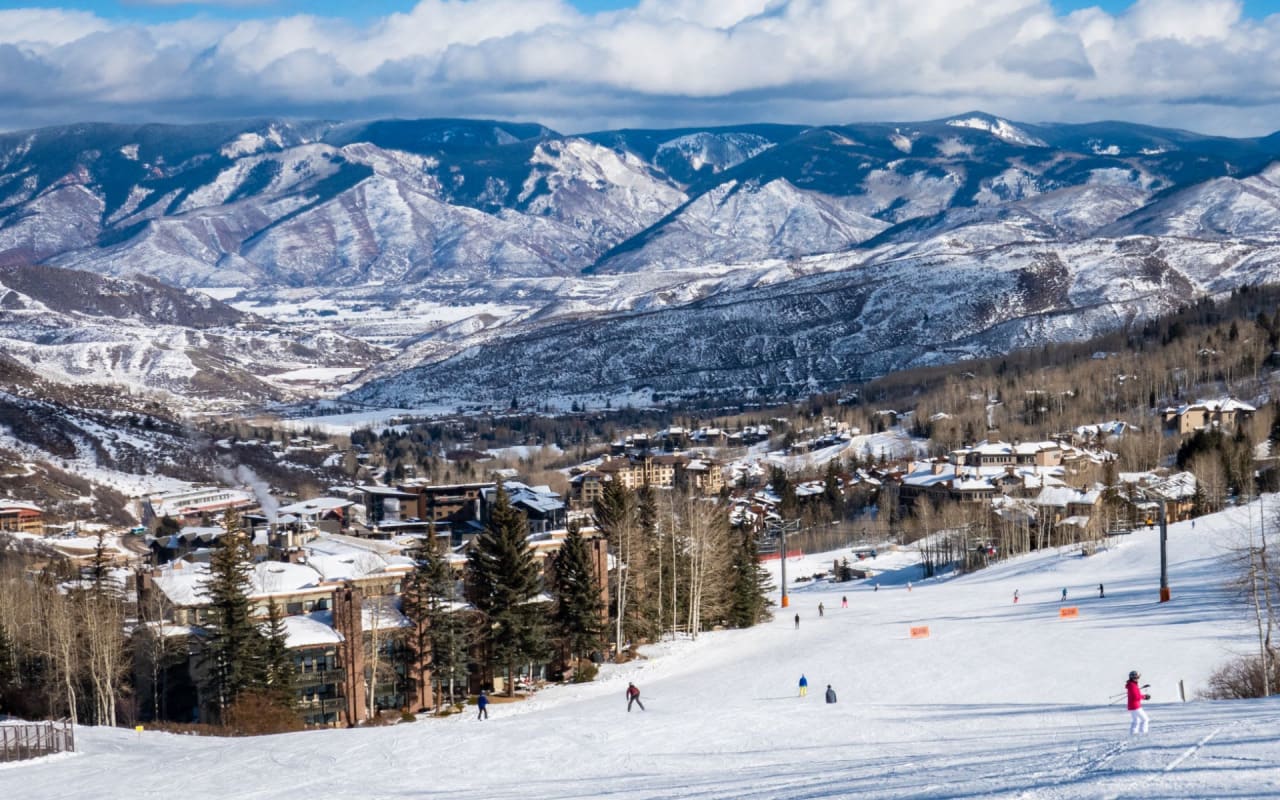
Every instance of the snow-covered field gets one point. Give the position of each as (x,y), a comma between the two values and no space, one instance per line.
(1001,700)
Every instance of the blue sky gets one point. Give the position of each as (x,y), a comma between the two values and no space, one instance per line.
(1207,65)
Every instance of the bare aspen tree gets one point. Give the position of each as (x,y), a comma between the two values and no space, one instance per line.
(706,531)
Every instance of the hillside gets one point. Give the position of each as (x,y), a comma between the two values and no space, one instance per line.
(1003,700)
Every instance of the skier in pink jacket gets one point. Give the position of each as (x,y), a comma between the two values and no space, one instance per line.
(1138,717)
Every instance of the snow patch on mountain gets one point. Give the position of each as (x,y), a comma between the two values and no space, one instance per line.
(898,196)
(603,194)
(999,128)
(737,223)
(898,140)
(267,175)
(137,194)
(953,147)
(64,217)
(251,142)
(719,151)
(1013,184)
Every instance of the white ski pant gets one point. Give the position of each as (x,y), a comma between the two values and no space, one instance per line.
(1138,723)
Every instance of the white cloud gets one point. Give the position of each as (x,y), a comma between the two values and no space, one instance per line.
(665,62)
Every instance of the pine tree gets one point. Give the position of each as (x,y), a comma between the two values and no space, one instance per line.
(645,566)
(504,583)
(748,601)
(440,640)
(235,650)
(8,665)
(280,670)
(831,489)
(576,620)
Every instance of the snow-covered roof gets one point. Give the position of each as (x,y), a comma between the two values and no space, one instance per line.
(315,506)
(279,577)
(310,630)
(1179,486)
(17,505)
(382,613)
(1222,404)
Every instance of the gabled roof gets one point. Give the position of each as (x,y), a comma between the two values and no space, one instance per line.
(1221,405)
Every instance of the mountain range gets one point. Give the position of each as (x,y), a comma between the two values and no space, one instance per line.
(445,262)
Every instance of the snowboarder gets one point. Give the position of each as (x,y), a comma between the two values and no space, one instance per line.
(633,696)
(844,601)
(819,609)
(797,622)
(831,694)
(1015,595)
(483,702)
(1138,717)
(804,685)
(1101,592)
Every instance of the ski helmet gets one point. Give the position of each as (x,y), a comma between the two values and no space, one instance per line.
(1133,675)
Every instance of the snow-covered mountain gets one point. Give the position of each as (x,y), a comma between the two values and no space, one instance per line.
(76,328)
(782,257)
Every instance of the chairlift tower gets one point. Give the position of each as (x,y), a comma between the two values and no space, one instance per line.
(779,529)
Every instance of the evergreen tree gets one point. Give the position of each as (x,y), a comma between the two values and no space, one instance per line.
(280,670)
(645,618)
(576,622)
(788,503)
(831,490)
(440,638)
(504,583)
(235,650)
(750,584)
(8,666)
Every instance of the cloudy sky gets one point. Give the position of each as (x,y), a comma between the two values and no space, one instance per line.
(576,65)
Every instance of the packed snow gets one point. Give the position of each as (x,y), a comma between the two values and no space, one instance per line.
(1001,700)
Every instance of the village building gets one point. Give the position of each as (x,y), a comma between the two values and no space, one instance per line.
(1223,414)
(21,517)
(316,595)
(191,504)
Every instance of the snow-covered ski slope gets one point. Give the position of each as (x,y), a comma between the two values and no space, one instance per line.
(1001,700)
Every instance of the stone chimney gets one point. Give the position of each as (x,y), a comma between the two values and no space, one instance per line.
(599,547)
(348,605)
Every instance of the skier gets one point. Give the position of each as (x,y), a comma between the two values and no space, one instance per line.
(908,586)
(831,694)
(1064,594)
(633,696)
(877,587)
(1101,592)
(804,685)
(797,622)
(483,702)
(819,609)
(1015,595)
(844,601)
(1138,717)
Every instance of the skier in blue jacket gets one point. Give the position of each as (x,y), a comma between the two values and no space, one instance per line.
(483,702)
(804,685)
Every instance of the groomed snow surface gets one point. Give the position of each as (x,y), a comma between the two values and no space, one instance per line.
(1001,700)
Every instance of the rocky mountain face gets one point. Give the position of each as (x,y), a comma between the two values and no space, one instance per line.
(469,260)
